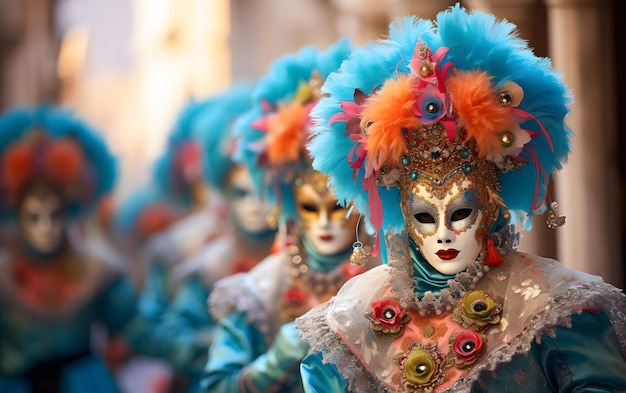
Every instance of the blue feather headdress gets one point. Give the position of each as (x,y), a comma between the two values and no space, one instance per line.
(214,131)
(178,171)
(275,131)
(44,142)
(465,75)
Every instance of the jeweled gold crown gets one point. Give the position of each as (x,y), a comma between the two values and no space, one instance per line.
(433,160)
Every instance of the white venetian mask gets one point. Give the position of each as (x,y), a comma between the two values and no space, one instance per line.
(247,208)
(42,222)
(445,229)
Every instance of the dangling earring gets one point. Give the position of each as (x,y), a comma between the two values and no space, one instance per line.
(554,220)
(272,218)
(359,256)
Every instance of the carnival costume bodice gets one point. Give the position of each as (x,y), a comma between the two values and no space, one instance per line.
(47,316)
(492,330)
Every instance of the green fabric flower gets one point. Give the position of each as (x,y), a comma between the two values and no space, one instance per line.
(419,367)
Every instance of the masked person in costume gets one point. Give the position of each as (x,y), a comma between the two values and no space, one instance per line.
(179,182)
(184,333)
(452,130)
(55,282)
(256,346)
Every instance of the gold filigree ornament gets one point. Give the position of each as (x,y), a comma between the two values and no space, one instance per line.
(554,220)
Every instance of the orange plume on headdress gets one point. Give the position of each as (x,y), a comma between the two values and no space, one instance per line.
(17,166)
(386,114)
(64,160)
(287,132)
(475,102)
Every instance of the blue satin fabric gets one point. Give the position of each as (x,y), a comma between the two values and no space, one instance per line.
(239,347)
(155,295)
(26,341)
(426,277)
(181,336)
(583,358)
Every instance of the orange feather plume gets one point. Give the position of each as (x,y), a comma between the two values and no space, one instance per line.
(287,133)
(64,160)
(387,112)
(17,166)
(478,109)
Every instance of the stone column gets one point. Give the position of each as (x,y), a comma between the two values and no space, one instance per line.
(581,47)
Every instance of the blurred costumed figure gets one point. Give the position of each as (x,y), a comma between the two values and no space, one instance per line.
(183,334)
(179,184)
(137,219)
(56,283)
(256,347)
(444,135)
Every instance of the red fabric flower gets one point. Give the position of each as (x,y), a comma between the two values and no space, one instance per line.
(388,315)
(466,346)
(294,297)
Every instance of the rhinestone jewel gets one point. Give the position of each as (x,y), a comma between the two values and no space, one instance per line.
(421,368)
(507,139)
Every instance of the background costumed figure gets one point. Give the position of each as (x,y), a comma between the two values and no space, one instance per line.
(444,135)
(184,332)
(56,282)
(256,346)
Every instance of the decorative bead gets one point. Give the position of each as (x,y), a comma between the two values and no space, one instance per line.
(406,161)
(425,71)
(414,175)
(464,154)
(435,154)
(467,168)
(507,139)
(506,98)
(421,368)
(469,346)
(432,107)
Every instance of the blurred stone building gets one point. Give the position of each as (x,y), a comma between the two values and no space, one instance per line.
(129,65)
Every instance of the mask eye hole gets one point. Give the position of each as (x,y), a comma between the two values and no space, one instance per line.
(239,192)
(307,207)
(460,214)
(424,218)
(338,207)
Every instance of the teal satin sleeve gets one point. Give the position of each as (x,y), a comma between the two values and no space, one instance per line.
(155,295)
(117,305)
(182,335)
(235,344)
(584,358)
(318,377)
